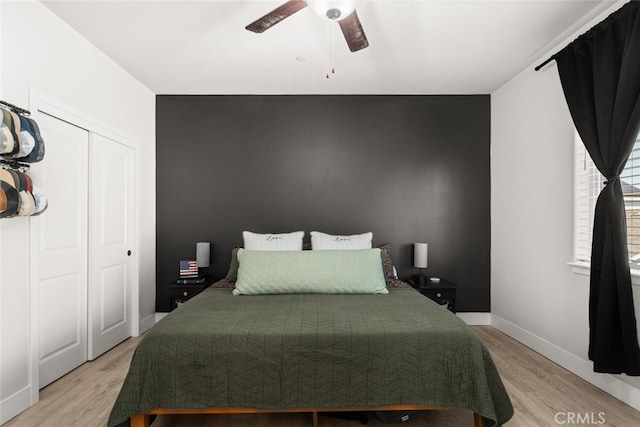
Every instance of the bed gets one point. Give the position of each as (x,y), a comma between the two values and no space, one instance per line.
(221,353)
(322,330)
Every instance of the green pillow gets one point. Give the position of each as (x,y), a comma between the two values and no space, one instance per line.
(310,272)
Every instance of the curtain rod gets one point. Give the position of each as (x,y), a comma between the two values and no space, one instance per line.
(590,31)
(551,58)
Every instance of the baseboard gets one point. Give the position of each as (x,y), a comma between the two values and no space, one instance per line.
(619,389)
(476,318)
(15,404)
(147,323)
(159,316)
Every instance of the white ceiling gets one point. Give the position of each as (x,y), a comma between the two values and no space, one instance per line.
(416,47)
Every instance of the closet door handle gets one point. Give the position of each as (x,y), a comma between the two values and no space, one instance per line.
(129,253)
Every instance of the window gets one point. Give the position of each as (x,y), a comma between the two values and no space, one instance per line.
(588,182)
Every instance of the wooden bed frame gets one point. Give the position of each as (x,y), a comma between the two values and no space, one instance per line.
(144,420)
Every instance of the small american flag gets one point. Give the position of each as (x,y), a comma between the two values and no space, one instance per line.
(188,268)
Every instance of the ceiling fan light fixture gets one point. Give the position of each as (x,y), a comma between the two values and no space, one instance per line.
(333,13)
(343,11)
(332,10)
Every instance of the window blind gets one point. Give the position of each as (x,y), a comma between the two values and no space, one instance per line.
(588,182)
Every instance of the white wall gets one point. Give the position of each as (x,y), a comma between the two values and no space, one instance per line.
(536,297)
(39,51)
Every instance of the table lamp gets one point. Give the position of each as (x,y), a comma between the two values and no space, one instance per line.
(420,258)
(203,254)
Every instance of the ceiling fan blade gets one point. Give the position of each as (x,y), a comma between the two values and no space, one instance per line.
(353,32)
(272,18)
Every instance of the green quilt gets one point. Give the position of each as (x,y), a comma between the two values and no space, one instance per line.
(311,351)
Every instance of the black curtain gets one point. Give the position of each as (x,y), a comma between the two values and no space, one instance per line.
(600,75)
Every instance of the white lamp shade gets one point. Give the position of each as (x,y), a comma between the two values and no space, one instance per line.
(203,254)
(420,255)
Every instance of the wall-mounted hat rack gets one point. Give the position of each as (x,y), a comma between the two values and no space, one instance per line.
(20,145)
(14,165)
(15,108)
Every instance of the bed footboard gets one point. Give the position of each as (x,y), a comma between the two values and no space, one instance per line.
(143,420)
(140,420)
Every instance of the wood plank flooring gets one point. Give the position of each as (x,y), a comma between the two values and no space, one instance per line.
(542,393)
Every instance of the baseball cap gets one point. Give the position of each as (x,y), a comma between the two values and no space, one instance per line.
(28,142)
(7,177)
(10,193)
(3,201)
(41,200)
(15,130)
(16,179)
(27,202)
(29,182)
(32,200)
(7,141)
(37,153)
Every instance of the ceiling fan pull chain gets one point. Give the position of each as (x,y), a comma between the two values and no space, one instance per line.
(333,49)
(328,46)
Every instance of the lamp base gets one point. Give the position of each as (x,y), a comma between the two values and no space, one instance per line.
(422,279)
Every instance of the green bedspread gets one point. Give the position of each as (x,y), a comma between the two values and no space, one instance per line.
(311,351)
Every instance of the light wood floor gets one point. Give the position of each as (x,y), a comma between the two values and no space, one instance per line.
(541,392)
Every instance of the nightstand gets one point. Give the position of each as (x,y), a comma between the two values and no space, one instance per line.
(180,293)
(443,293)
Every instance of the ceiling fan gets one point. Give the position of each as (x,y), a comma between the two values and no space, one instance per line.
(343,12)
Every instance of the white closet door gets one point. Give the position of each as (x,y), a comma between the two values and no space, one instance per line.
(110,243)
(62,250)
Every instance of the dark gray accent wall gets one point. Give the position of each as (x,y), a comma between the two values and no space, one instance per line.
(408,168)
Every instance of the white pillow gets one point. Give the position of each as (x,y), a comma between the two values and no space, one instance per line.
(322,241)
(273,242)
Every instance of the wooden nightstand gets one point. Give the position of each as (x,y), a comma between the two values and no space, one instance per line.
(444,292)
(179,293)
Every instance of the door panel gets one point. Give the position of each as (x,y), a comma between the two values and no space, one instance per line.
(62,250)
(113,290)
(111,213)
(58,325)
